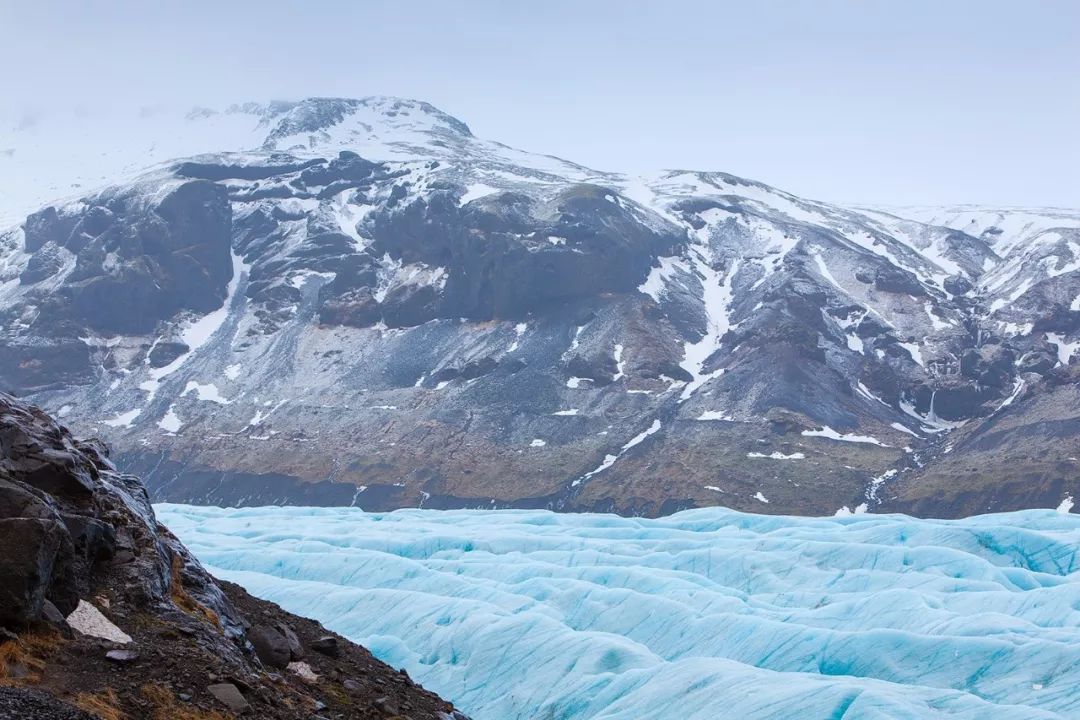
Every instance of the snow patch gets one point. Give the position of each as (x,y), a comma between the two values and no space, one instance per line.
(170,423)
(609,460)
(519,330)
(828,432)
(620,366)
(915,352)
(301,277)
(124,419)
(776,455)
(717,295)
(715,415)
(655,284)
(475,192)
(1018,387)
(937,322)
(904,429)
(208,392)
(199,332)
(1065,349)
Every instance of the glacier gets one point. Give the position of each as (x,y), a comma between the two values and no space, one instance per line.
(708,613)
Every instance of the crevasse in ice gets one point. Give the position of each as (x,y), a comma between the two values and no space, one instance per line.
(704,614)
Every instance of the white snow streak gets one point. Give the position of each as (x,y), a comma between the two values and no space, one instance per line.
(828,432)
(609,460)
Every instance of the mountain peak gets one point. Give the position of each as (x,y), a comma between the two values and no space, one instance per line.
(318,120)
(64,153)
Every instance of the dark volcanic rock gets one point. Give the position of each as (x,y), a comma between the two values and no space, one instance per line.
(598,368)
(957,285)
(408,305)
(355,308)
(52,615)
(896,280)
(327,645)
(45,363)
(148,265)
(55,492)
(478,368)
(44,263)
(47,226)
(990,365)
(296,648)
(23,703)
(164,353)
(186,632)
(215,171)
(26,568)
(271,645)
(1037,362)
(229,696)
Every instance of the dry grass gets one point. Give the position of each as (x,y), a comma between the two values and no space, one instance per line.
(338,694)
(104,704)
(184,600)
(29,651)
(165,706)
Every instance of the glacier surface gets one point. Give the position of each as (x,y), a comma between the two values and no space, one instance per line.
(704,614)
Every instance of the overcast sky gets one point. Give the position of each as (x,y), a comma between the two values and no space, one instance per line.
(898,102)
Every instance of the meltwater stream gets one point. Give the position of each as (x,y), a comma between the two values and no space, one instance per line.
(701,615)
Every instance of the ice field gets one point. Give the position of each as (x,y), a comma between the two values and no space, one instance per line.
(701,615)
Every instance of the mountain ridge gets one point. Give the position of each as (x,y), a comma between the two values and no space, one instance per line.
(454,311)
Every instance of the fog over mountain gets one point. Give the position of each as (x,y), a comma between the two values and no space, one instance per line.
(849,102)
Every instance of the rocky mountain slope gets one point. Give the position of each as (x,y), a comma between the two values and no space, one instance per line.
(366,304)
(103,609)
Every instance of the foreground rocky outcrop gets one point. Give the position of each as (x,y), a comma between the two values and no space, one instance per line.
(105,612)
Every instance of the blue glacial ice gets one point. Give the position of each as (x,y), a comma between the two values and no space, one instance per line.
(702,615)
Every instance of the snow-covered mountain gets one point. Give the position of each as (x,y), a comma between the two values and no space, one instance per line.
(358,301)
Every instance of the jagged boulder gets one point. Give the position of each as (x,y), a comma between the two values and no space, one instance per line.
(65,512)
(957,285)
(271,645)
(409,305)
(990,365)
(26,566)
(600,368)
(889,278)
(45,226)
(165,352)
(1037,361)
(355,308)
(43,264)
